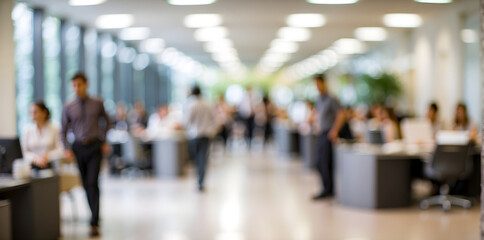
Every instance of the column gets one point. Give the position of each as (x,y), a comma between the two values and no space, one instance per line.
(8,123)
(38,55)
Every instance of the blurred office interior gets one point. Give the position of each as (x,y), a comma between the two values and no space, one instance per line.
(143,57)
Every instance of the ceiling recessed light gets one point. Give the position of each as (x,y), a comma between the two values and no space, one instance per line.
(85,2)
(306,20)
(225,57)
(202,20)
(332,1)
(282,46)
(402,20)
(218,45)
(276,57)
(152,45)
(210,34)
(294,34)
(137,33)
(190,2)
(113,21)
(433,1)
(371,34)
(349,46)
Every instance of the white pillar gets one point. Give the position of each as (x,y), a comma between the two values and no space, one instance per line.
(8,123)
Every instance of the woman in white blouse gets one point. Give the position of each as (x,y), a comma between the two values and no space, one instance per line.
(40,140)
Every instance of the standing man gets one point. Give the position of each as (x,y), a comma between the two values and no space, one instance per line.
(200,124)
(330,120)
(86,118)
(247,112)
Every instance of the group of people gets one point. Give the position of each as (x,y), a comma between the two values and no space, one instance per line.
(87,121)
(330,121)
(85,118)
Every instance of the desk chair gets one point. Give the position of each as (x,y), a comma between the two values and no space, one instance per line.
(135,157)
(448,164)
(68,180)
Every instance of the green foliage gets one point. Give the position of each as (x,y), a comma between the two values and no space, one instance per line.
(384,88)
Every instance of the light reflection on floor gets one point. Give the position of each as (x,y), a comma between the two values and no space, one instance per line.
(251,196)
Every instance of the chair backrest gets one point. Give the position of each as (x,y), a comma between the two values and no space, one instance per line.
(450,161)
(132,151)
(375,137)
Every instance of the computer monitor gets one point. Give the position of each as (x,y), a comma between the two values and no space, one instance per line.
(452,137)
(375,137)
(9,151)
(417,131)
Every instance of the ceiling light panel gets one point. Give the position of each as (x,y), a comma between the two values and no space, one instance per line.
(210,34)
(306,20)
(280,46)
(402,20)
(371,34)
(225,57)
(191,2)
(152,45)
(433,1)
(113,21)
(349,46)
(294,34)
(219,46)
(332,1)
(211,49)
(131,34)
(202,20)
(276,57)
(85,2)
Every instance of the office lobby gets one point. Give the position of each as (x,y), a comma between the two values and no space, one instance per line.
(257,65)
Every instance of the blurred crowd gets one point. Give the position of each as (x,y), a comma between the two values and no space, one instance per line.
(256,116)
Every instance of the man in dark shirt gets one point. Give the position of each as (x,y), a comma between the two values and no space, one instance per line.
(330,120)
(86,118)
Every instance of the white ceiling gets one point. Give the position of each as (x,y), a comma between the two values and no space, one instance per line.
(252,24)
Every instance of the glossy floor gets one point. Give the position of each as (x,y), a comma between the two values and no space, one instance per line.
(251,196)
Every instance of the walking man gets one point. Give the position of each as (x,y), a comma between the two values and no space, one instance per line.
(86,119)
(200,124)
(330,120)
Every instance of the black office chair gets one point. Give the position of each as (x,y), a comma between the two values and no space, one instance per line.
(448,164)
(136,158)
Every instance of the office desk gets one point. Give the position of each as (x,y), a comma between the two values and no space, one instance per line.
(34,203)
(166,156)
(307,146)
(287,140)
(169,156)
(367,177)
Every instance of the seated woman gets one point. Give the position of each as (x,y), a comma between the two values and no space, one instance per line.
(391,127)
(384,120)
(462,122)
(40,140)
(433,117)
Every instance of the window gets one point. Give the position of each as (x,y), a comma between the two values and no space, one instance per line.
(50,35)
(72,38)
(24,68)
(472,67)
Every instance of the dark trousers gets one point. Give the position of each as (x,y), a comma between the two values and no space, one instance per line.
(224,134)
(249,129)
(198,149)
(89,158)
(324,161)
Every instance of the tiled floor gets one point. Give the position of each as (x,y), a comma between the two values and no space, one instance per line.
(252,196)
